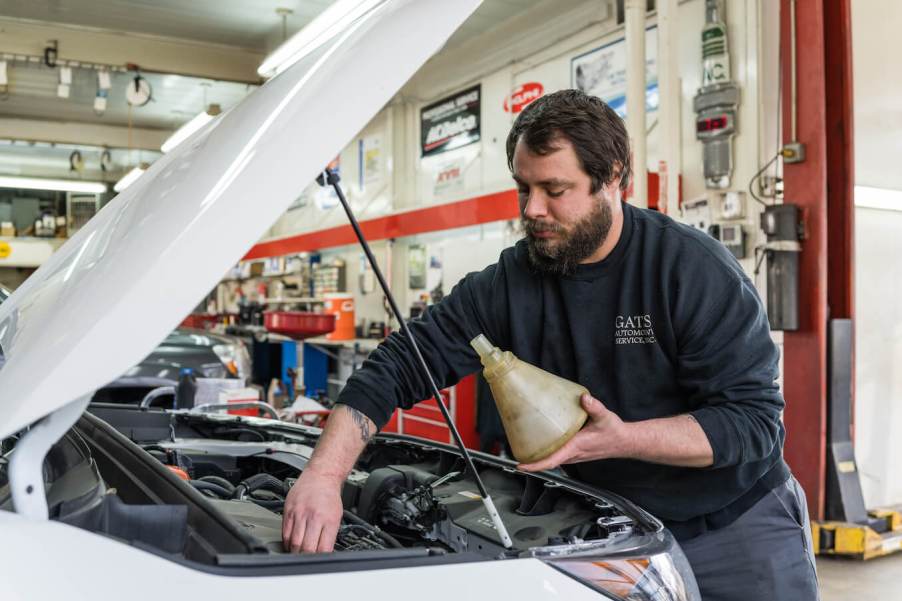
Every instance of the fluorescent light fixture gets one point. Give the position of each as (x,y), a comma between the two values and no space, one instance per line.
(60,185)
(129,178)
(185,131)
(332,20)
(878,198)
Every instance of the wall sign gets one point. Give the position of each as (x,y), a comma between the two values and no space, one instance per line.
(416,267)
(369,156)
(450,123)
(523,95)
(602,72)
(449,177)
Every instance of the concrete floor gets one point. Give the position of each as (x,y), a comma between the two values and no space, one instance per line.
(873,580)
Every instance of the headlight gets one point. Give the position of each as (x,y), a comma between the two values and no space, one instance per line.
(653,578)
(641,567)
(235,358)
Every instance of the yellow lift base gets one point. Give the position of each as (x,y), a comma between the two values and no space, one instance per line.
(858,541)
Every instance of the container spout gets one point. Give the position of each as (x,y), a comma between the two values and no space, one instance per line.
(488,354)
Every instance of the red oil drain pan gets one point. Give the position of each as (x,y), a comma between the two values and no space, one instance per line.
(299,324)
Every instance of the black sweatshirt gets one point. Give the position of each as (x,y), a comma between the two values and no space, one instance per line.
(667,324)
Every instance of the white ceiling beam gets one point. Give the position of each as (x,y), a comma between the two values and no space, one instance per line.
(112,136)
(150,53)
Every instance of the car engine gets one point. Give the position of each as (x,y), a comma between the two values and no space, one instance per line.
(401,494)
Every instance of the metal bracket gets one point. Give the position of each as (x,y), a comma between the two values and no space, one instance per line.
(26,466)
(155,394)
(212,407)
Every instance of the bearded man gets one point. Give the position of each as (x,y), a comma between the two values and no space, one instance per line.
(656,319)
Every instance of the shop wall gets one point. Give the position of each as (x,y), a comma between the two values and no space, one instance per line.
(539,46)
(878,341)
(878,274)
(450,256)
(365,166)
(368,305)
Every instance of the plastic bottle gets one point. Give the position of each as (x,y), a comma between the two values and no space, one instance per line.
(540,411)
(186,389)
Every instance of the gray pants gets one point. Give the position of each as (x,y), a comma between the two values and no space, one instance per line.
(765,554)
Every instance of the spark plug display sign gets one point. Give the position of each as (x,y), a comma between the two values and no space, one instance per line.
(450,123)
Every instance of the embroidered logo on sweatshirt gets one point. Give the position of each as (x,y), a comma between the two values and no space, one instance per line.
(634,329)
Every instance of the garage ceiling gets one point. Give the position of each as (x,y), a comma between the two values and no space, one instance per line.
(250,26)
(243,23)
(175,99)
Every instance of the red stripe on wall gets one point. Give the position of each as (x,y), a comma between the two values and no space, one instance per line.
(500,206)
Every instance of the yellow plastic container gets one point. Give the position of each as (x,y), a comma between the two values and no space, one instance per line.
(540,411)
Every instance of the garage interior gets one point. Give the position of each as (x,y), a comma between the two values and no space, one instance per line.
(778,142)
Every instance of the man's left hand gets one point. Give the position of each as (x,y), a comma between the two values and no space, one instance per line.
(604,436)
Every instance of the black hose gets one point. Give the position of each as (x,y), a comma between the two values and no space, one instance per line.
(271,505)
(258,481)
(388,538)
(266,495)
(216,489)
(219,482)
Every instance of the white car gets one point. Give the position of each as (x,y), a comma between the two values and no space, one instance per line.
(111,502)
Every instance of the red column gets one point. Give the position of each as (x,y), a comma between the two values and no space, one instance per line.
(840,166)
(805,184)
(822,186)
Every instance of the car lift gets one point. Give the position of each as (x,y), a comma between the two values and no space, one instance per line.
(849,530)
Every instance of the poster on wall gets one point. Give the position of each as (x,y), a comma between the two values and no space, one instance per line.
(369,155)
(450,123)
(449,177)
(416,267)
(602,72)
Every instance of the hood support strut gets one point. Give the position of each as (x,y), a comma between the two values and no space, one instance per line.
(26,466)
(330,177)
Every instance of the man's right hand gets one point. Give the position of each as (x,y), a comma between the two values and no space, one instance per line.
(312,514)
(313,508)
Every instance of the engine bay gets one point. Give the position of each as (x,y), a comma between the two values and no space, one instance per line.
(395,498)
(401,494)
(210,487)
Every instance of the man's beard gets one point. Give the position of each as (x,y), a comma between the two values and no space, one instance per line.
(571,247)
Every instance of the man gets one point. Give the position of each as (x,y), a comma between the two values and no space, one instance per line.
(657,320)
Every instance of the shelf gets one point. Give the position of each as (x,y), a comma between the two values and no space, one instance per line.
(288,301)
(271,276)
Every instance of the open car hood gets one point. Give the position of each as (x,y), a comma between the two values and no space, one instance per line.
(109,295)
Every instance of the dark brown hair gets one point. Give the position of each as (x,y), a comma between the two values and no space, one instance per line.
(597,133)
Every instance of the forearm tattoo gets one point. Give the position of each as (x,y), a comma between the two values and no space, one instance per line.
(363,424)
